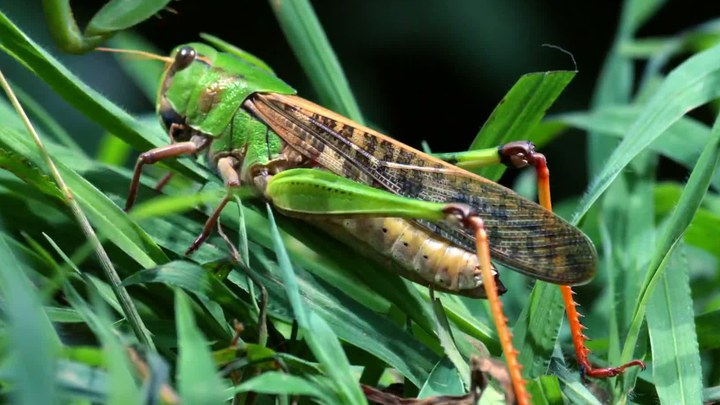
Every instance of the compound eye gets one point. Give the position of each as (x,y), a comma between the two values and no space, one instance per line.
(184,57)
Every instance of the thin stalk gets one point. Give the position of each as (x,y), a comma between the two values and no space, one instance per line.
(129,310)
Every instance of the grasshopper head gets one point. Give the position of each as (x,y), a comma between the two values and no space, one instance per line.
(170,117)
(188,65)
(202,89)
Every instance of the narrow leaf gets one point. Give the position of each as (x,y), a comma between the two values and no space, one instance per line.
(670,318)
(693,83)
(517,114)
(198,381)
(312,48)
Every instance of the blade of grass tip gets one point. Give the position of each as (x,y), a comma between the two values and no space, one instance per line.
(243,245)
(677,373)
(198,380)
(443,380)
(693,83)
(129,310)
(676,225)
(320,338)
(244,251)
(31,340)
(312,48)
(448,343)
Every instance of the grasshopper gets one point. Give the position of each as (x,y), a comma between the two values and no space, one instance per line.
(255,131)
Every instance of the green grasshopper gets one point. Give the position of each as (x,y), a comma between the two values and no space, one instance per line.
(345,178)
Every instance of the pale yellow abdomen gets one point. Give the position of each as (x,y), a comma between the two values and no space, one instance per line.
(412,251)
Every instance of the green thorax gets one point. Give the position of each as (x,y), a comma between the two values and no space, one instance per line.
(210,91)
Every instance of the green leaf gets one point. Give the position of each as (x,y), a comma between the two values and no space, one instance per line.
(101,212)
(693,83)
(571,385)
(703,227)
(32,343)
(637,12)
(112,150)
(711,394)
(536,330)
(675,227)
(676,359)
(681,142)
(121,384)
(315,330)
(62,315)
(312,48)
(198,381)
(448,343)
(519,112)
(29,172)
(91,103)
(118,15)
(201,283)
(273,382)
(83,381)
(443,380)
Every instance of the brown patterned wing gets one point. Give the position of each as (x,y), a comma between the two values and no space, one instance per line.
(523,235)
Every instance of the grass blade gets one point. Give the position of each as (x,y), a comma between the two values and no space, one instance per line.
(315,330)
(676,367)
(274,382)
(614,86)
(85,99)
(693,83)
(536,329)
(122,388)
(103,213)
(517,114)
(677,224)
(443,380)
(128,307)
(448,343)
(32,343)
(681,142)
(312,48)
(198,381)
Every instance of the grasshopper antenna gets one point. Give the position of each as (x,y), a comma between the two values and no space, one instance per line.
(142,54)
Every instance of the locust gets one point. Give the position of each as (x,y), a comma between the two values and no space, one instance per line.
(430,221)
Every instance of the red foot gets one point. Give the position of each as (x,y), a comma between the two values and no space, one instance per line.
(611,371)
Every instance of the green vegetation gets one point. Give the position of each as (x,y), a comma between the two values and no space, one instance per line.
(124,317)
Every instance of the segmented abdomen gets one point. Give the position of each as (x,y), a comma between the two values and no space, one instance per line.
(413,252)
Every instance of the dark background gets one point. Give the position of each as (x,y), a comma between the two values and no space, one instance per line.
(421,69)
